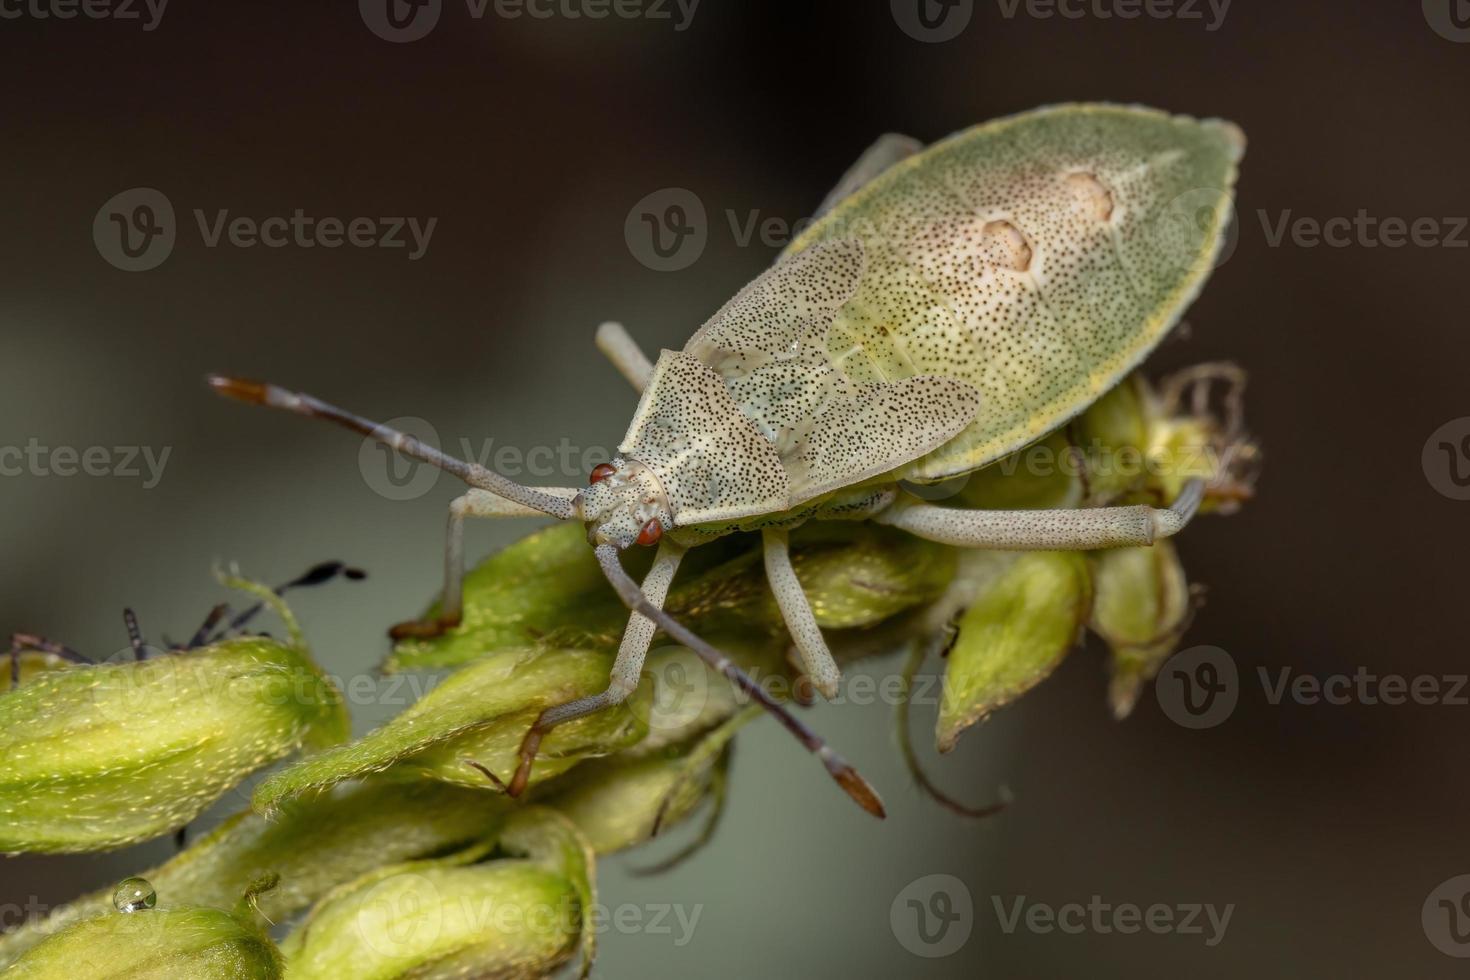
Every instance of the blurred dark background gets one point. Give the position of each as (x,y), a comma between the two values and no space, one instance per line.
(530,140)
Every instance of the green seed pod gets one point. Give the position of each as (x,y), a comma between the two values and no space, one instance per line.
(479,715)
(33,663)
(547,589)
(314,844)
(97,757)
(458,917)
(138,940)
(1142,608)
(854,575)
(1025,620)
(624,800)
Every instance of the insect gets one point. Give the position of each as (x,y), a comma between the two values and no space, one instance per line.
(947,307)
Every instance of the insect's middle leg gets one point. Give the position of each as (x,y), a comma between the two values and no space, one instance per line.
(1046,530)
(474,503)
(801,623)
(637,637)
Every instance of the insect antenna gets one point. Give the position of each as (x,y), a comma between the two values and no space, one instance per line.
(272,396)
(315,575)
(632,595)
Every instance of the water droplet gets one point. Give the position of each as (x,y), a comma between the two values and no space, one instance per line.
(134,895)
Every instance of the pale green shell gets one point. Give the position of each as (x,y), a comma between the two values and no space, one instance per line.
(1038,257)
(968,300)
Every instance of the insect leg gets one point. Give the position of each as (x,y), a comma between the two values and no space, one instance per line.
(846,776)
(1046,530)
(800,622)
(258,393)
(620,347)
(637,637)
(475,503)
(889,149)
(21,642)
(135,635)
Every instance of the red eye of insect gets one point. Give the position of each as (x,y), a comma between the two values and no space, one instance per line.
(651,532)
(602,471)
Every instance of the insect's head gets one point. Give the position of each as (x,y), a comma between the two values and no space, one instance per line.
(624,504)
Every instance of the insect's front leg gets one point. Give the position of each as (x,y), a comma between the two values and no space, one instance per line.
(474,503)
(637,637)
(1046,530)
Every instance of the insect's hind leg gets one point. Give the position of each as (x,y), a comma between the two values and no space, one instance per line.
(21,642)
(1046,530)
(619,346)
(801,623)
(637,638)
(889,149)
(474,503)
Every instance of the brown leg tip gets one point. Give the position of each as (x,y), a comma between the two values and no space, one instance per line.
(485,771)
(862,793)
(250,392)
(522,775)
(422,629)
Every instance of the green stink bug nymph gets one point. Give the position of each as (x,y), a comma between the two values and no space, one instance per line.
(949,306)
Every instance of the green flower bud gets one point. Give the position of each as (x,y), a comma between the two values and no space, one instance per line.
(31,664)
(313,844)
(459,916)
(1142,608)
(1024,620)
(138,940)
(624,800)
(96,757)
(547,589)
(480,715)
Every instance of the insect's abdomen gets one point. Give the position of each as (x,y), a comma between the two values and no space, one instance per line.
(1038,258)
